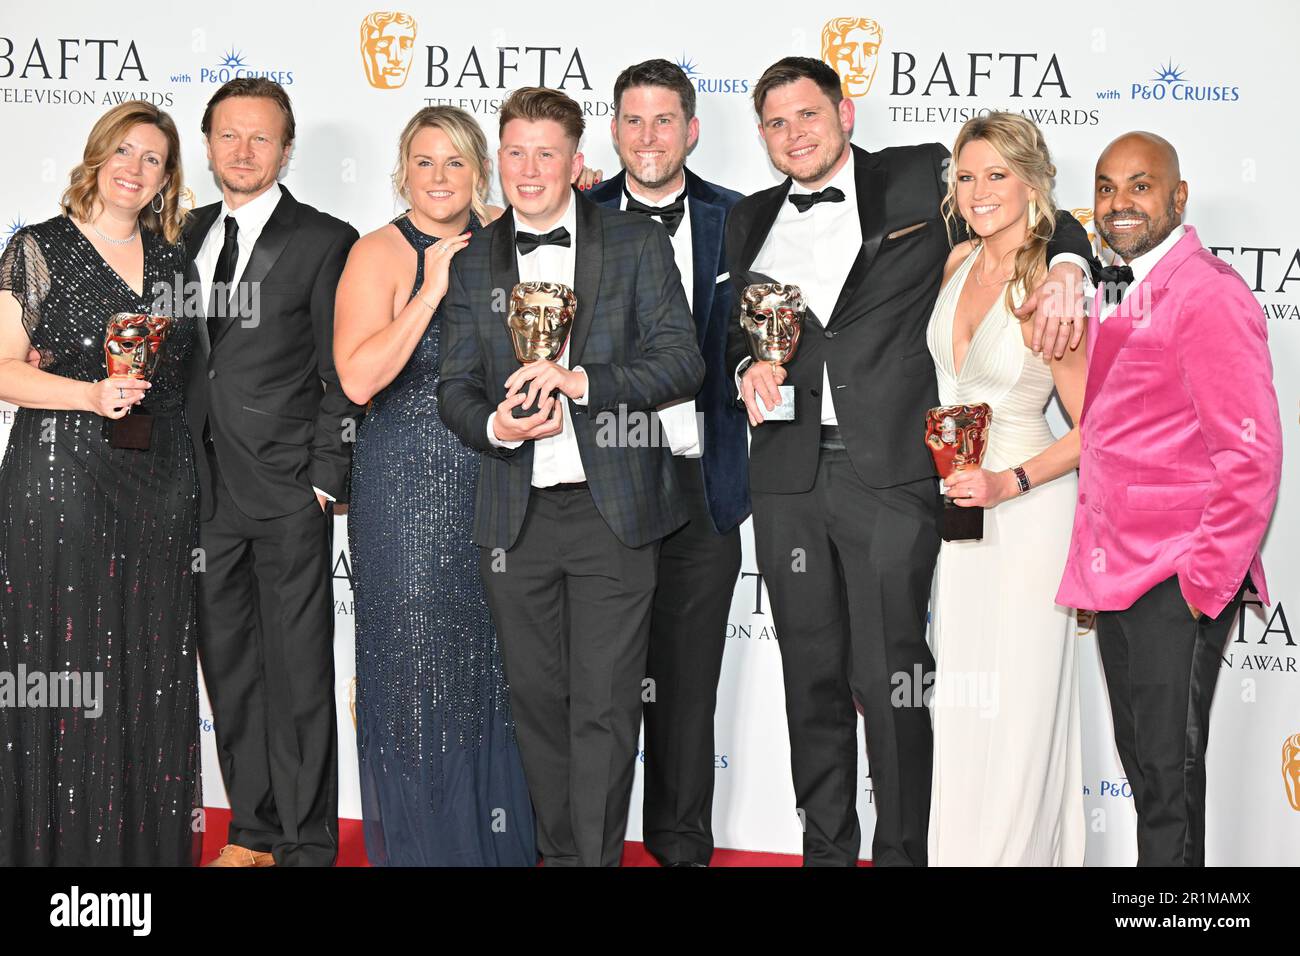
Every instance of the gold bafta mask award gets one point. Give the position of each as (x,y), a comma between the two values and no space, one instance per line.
(541,314)
(132,347)
(957,436)
(772,316)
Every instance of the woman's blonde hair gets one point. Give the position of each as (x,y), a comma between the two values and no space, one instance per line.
(1020,144)
(466,138)
(82,195)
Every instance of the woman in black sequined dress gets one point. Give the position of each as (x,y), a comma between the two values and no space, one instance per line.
(96,542)
(441,780)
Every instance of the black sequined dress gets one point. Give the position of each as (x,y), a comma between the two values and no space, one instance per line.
(96,580)
(441,780)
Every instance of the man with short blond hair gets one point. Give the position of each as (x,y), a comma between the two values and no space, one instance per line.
(572,503)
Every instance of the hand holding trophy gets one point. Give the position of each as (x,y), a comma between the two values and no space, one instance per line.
(772,316)
(541,314)
(957,436)
(132,347)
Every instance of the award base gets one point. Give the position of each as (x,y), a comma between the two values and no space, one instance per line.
(784,412)
(134,431)
(960,524)
(527,411)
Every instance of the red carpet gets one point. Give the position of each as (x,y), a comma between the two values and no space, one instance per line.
(352,850)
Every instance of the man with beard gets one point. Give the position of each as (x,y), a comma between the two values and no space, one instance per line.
(1180,466)
(845,497)
(654,127)
(271,429)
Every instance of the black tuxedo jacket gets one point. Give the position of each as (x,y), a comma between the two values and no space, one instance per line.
(873,342)
(266,386)
(725,461)
(632,335)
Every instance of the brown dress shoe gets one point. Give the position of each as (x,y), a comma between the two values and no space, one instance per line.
(233,855)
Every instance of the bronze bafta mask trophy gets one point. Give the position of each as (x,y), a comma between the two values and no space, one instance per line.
(772,316)
(541,314)
(957,436)
(132,346)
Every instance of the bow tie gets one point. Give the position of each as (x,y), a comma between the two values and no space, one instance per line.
(805,201)
(527,242)
(1112,281)
(671,215)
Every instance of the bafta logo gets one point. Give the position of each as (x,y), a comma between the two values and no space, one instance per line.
(1084,216)
(852,46)
(387,44)
(1291,769)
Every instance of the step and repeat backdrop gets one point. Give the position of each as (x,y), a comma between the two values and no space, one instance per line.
(1207,78)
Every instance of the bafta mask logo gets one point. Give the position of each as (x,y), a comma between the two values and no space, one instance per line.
(133,343)
(539,319)
(1085,216)
(772,316)
(387,45)
(1291,769)
(852,46)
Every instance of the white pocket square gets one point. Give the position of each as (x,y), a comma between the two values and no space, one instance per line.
(723,278)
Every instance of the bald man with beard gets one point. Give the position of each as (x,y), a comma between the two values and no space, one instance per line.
(1180,462)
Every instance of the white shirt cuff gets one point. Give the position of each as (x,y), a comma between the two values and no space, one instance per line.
(745,363)
(1071,258)
(586,392)
(497,442)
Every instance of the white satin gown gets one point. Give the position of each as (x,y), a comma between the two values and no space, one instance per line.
(1008,786)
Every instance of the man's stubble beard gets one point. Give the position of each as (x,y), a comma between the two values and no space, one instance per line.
(826,166)
(1157,232)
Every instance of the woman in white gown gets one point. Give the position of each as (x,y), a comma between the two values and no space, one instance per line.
(1008,783)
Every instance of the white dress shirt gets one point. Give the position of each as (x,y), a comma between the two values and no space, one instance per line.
(252,217)
(556,459)
(1142,267)
(815,251)
(677,419)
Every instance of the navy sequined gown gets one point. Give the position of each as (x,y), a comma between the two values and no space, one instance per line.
(96,578)
(441,780)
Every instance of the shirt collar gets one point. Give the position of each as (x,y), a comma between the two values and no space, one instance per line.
(843,180)
(253,215)
(1143,264)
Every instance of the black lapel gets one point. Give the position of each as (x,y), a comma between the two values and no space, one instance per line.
(270,244)
(869,183)
(764,216)
(588,258)
(707,224)
(503,267)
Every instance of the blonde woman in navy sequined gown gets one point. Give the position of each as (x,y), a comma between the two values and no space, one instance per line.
(441,780)
(96,542)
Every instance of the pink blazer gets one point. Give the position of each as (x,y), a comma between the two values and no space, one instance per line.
(1181,444)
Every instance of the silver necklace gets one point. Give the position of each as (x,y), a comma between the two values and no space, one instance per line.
(117,242)
(976,269)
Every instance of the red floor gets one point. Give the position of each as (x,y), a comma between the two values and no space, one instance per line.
(352,851)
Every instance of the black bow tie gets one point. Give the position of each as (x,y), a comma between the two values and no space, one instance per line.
(805,201)
(526,242)
(1112,281)
(671,215)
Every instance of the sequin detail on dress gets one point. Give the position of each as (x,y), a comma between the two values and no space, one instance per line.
(96,551)
(436,745)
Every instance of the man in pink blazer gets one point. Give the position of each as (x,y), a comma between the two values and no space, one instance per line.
(1181,456)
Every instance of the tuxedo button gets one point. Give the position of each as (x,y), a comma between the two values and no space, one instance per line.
(212,374)
(1083,499)
(829,334)
(813,392)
